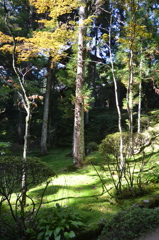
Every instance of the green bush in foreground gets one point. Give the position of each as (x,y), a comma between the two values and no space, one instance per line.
(127,225)
(16,218)
(58,223)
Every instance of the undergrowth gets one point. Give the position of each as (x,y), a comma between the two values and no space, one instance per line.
(82,189)
(128,225)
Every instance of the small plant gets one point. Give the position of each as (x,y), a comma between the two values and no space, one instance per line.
(4,148)
(131,224)
(59,223)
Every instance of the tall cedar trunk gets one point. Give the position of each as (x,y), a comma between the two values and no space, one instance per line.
(78,141)
(44,135)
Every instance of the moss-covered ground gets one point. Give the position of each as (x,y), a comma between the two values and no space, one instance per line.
(82,188)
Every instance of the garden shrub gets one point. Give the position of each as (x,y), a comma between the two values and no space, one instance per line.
(59,223)
(129,181)
(152,176)
(131,224)
(11,173)
(91,146)
(15,218)
(4,148)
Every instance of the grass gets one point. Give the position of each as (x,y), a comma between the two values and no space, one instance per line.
(82,188)
(79,188)
(58,159)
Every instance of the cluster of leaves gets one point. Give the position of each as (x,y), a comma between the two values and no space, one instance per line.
(18,218)
(153,175)
(129,182)
(11,173)
(110,145)
(4,148)
(130,224)
(101,123)
(59,223)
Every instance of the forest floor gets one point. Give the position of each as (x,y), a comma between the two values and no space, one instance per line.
(84,187)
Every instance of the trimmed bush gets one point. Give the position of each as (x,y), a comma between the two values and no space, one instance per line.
(128,225)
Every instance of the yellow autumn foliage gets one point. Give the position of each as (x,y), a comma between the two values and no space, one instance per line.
(55,8)
(42,42)
(89,20)
(105,37)
(5,38)
(133,34)
(50,41)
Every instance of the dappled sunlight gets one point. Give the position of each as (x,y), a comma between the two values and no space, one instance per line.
(82,189)
(67,189)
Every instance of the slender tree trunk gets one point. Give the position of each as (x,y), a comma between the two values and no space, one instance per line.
(130,102)
(130,84)
(26,104)
(78,140)
(25,149)
(122,161)
(20,128)
(140,94)
(139,108)
(44,135)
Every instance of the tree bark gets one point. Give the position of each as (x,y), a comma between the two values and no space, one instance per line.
(140,96)
(25,149)
(44,135)
(122,160)
(78,140)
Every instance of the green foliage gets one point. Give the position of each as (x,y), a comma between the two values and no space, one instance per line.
(111,144)
(65,103)
(88,99)
(4,148)
(92,146)
(130,182)
(101,122)
(129,225)
(58,223)
(152,176)
(20,217)
(11,173)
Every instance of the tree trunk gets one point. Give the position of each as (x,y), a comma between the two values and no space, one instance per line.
(139,108)
(44,135)
(140,94)
(130,102)
(122,161)
(78,141)
(26,104)
(20,129)
(25,149)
